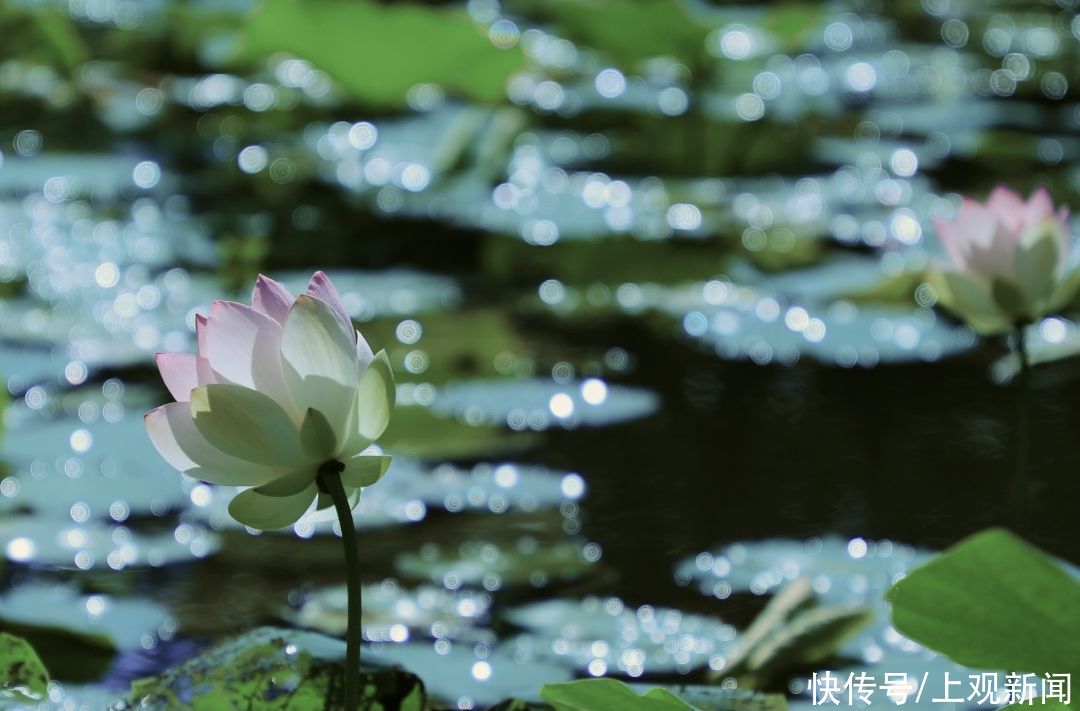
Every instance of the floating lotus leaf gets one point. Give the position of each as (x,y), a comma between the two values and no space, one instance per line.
(118,623)
(605,636)
(60,544)
(394,614)
(454,671)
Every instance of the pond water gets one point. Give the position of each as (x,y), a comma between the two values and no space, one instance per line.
(649,294)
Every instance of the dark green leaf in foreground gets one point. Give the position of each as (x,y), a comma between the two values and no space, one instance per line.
(608,695)
(993,601)
(274,669)
(377,52)
(22,675)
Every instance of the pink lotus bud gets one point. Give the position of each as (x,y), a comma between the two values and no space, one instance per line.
(1006,261)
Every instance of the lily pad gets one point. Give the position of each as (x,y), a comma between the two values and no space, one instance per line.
(493,487)
(417,432)
(395,614)
(470,343)
(392,292)
(84,174)
(482,675)
(102,620)
(90,545)
(539,404)
(21,367)
(99,470)
(125,335)
(738,324)
(841,571)
(827,281)
(492,565)
(70,695)
(605,636)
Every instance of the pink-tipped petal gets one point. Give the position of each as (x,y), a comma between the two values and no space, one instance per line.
(969,208)
(271,298)
(205,373)
(179,371)
(946,232)
(1039,206)
(242,346)
(1008,207)
(200,334)
(321,287)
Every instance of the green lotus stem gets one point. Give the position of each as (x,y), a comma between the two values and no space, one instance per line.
(330,480)
(1023,428)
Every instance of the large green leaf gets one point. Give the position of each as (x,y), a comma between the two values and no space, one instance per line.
(22,675)
(43,35)
(608,695)
(993,602)
(377,52)
(631,31)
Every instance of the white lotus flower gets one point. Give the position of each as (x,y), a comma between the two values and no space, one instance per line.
(1007,261)
(277,390)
